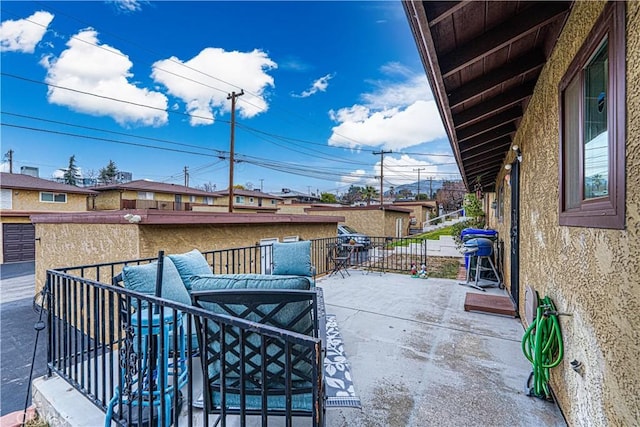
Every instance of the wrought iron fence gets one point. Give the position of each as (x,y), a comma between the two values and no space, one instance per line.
(141,367)
(97,345)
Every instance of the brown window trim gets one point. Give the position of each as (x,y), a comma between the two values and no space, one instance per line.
(606,212)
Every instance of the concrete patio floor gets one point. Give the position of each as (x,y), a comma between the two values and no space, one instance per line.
(417,359)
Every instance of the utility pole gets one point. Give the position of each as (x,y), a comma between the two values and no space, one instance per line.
(186,176)
(382,153)
(419,169)
(430,188)
(232,96)
(9,157)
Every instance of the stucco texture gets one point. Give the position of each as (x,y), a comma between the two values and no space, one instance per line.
(68,244)
(25,200)
(590,273)
(373,222)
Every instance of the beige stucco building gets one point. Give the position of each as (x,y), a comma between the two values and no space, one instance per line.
(579,243)
(24,195)
(143,194)
(375,221)
(107,237)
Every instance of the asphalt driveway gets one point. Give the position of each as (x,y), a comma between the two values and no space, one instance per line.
(18,336)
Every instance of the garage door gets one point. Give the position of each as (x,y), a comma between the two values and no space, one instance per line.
(18,242)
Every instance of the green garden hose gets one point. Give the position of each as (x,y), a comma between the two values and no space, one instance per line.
(542,346)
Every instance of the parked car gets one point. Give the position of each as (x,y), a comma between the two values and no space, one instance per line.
(346,233)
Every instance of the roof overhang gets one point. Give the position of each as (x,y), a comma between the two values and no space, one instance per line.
(482,60)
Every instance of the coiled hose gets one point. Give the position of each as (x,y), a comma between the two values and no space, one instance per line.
(542,346)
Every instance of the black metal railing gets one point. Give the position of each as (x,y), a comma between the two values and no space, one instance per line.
(108,351)
(103,350)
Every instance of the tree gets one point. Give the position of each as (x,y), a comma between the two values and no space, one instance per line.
(108,173)
(472,206)
(368,193)
(71,173)
(207,186)
(328,198)
(422,196)
(353,195)
(451,195)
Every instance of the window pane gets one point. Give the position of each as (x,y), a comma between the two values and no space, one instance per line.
(46,197)
(60,198)
(571,147)
(596,137)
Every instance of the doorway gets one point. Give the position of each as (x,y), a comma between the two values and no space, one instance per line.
(515,233)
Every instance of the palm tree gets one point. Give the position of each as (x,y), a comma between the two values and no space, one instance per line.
(368,193)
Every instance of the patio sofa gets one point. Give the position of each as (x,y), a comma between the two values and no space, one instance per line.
(280,357)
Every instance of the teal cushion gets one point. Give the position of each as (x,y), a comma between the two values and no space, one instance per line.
(292,258)
(142,278)
(212,282)
(189,264)
(286,315)
(299,401)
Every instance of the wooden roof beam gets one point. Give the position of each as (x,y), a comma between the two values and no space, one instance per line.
(492,122)
(491,106)
(499,144)
(530,62)
(438,11)
(487,137)
(513,29)
(482,169)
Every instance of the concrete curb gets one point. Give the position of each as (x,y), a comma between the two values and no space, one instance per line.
(14,419)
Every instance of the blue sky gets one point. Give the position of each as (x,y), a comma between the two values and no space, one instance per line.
(145,84)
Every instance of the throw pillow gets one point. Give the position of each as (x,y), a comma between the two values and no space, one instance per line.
(292,258)
(190,264)
(142,278)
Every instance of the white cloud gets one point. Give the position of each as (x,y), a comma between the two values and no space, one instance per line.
(87,66)
(320,85)
(193,82)
(24,34)
(127,5)
(400,170)
(392,129)
(394,116)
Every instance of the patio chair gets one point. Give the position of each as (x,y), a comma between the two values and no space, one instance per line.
(339,259)
(267,360)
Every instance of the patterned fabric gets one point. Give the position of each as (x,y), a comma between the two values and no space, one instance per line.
(339,385)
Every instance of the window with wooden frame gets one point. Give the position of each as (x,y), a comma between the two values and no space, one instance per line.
(592,127)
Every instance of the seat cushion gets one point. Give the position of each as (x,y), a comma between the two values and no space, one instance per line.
(212,282)
(292,258)
(142,278)
(190,264)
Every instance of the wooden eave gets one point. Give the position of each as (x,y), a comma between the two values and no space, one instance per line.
(482,60)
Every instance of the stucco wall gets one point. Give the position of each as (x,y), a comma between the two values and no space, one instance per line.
(27,200)
(592,274)
(373,222)
(108,200)
(66,245)
(182,238)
